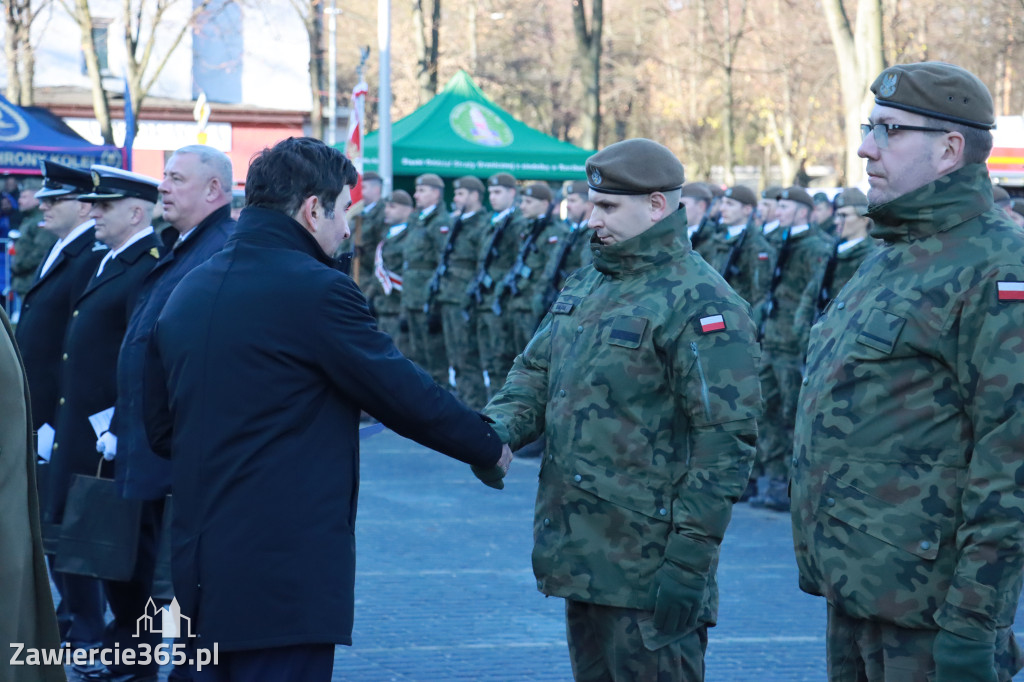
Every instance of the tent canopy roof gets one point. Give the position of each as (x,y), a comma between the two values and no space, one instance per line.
(25,140)
(461,132)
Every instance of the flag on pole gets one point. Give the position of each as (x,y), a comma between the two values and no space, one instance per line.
(129,126)
(354,138)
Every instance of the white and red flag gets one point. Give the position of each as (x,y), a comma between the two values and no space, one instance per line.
(1010,291)
(354,139)
(712,323)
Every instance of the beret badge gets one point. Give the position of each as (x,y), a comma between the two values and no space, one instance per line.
(595,177)
(888,87)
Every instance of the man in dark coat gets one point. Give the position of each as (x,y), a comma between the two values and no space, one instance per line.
(122,205)
(61,276)
(260,413)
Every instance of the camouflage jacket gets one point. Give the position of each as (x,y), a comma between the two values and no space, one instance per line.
(392,257)
(531,279)
(751,268)
(907,470)
(422,250)
(30,250)
(462,261)
(846,264)
(506,247)
(808,251)
(643,380)
(571,253)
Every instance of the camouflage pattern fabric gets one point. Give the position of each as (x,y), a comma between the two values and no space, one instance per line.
(371,230)
(611,643)
(30,250)
(572,253)
(428,229)
(809,250)
(389,305)
(643,380)
(846,264)
(525,308)
(860,649)
(907,504)
(750,269)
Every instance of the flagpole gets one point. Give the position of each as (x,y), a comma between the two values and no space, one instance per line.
(332,78)
(384,95)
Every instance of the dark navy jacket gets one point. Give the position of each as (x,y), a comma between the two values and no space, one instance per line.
(259,366)
(140,473)
(44,319)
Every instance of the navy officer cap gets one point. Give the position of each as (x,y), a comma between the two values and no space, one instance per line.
(63,181)
(111,184)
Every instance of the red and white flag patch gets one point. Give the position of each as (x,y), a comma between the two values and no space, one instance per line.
(553,239)
(1010,291)
(762,255)
(712,323)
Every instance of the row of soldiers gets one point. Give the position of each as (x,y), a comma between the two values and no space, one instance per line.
(466,290)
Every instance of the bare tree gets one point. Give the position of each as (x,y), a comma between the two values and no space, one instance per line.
(312,14)
(18,49)
(142,65)
(588,46)
(860,58)
(427,48)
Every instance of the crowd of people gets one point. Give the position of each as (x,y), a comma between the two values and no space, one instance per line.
(673,347)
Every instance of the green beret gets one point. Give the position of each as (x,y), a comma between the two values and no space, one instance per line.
(636,166)
(742,194)
(430,180)
(798,195)
(938,90)
(851,196)
(370,176)
(538,190)
(821,198)
(999,194)
(697,190)
(473,184)
(502,180)
(579,187)
(400,196)
(772,192)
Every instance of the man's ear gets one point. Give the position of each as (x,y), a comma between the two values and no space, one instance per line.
(952,153)
(658,206)
(308,213)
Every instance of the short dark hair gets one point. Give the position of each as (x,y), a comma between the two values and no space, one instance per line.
(977,142)
(282,177)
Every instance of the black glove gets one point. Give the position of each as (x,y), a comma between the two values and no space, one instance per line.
(958,659)
(679,598)
(492,477)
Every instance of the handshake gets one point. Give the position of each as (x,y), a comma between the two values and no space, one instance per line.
(493,476)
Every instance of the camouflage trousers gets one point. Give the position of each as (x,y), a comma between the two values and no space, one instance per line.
(781,379)
(874,651)
(494,334)
(426,348)
(463,352)
(612,644)
(524,324)
(391,324)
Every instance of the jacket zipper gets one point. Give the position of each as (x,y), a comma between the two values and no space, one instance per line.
(704,395)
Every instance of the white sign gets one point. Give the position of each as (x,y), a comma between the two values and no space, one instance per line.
(158,135)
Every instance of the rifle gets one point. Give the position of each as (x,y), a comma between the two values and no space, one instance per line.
(559,274)
(483,282)
(435,280)
(780,264)
(731,267)
(825,294)
(510,283)
(707,225)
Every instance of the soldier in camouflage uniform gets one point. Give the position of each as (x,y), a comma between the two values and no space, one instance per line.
(498,249)
(740,253)
(767,207)
(803,251)
(701,227)
(573,251)
(907,508)
(522,285)
(854,246)
(454,273)
(823,215)
(643,380)
(371,228)
(428,230)
(32,246)
(387,269)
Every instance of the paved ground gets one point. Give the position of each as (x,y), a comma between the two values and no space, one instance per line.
(444,588)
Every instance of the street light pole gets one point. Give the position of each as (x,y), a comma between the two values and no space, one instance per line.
(332,77)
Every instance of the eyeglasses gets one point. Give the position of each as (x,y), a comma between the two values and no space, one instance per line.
(882,131)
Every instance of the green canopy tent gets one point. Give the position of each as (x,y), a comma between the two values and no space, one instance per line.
(461,132)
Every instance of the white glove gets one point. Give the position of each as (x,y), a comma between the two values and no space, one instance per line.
(107,445)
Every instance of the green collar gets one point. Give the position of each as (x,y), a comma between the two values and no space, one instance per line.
(657,245)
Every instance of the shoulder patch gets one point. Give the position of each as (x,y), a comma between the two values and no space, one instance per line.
(762,255)
(1010,291)
(444,229)
(712,323)
(553,239)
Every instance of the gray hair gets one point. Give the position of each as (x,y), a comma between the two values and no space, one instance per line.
(214,159)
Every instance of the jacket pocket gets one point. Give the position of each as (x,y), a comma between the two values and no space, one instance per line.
(627,331)
(881,330)
(893,524)
(622,490)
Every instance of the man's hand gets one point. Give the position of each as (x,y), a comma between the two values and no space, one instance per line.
(493,476)
(679,598)
(106,445)
(958,659)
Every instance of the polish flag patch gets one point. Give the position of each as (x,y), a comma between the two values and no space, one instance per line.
(444,229)
(1010,291)
(762,255)
(712,323)
(553,239)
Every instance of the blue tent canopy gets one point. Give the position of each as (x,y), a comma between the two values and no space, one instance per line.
(25,140)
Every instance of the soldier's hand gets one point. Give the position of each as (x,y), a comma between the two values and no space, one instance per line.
(958,659)
(493,476)
(679,598)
